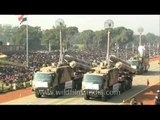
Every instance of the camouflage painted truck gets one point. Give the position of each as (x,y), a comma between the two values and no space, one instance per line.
(140,62)
(53,81)
(105,82)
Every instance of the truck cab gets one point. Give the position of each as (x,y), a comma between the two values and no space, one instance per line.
(137,65)
(101,84)
(42,83)
(53,81)
(92,85)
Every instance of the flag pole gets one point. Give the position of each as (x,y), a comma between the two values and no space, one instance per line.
(27,43)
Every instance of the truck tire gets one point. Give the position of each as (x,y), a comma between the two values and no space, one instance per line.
(55,95)
(123,87)
(78,85)
(142,71)
(105,96)
(37,94)
(86,97)
(130,85)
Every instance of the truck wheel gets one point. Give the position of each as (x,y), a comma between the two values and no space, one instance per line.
(55,94)
(123,87)
(104,98)
(37,95)
(130,85)
(86,97)
(142,71)
(78,84)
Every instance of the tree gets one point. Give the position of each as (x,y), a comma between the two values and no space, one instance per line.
(19,38)
(121,35)
(6,33)
(151,38)
(49,35)
(70,33)
(87,37)
(34,37)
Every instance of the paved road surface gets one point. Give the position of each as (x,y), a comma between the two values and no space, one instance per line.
(139,84)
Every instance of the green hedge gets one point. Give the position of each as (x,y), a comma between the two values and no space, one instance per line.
(4,62)
(9,87)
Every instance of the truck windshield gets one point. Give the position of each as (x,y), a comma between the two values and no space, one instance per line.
(133,63)
(93,79)
(45,77)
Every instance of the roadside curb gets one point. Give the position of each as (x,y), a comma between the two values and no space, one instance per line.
(125,102)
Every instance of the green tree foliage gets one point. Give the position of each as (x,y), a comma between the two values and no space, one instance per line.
(63,34)
(87,37)
(49,35)
(6,33)
(19,38)
(121,36)
(71,36)
(151,38)
(98,39)
(103,42)
(34,37)
(148,38)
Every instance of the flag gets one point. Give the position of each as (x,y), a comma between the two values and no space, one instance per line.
(22,19)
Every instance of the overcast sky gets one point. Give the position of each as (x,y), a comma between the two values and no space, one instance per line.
(150,23)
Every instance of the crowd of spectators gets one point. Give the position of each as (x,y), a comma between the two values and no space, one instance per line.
(10,73)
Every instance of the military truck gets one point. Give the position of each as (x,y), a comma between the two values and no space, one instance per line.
(105,82)
(140,62)
(54,80)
